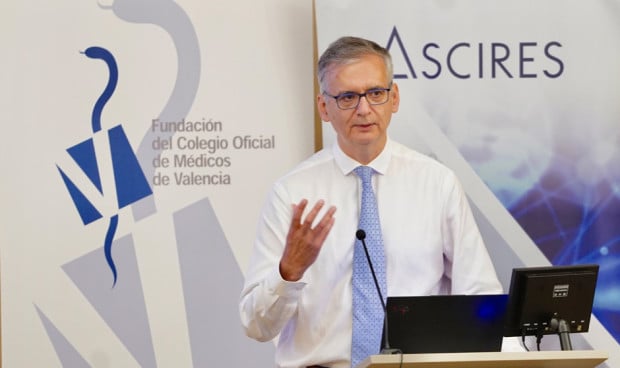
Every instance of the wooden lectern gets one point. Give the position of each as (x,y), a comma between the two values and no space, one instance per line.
(532,359)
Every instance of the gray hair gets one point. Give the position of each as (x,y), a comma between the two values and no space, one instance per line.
(348,49)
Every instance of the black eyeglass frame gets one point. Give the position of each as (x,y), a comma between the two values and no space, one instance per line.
(359,97)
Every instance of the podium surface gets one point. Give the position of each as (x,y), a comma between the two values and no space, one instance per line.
(532,359)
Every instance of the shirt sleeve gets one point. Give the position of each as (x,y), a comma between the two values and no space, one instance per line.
(467,261)
(267,301)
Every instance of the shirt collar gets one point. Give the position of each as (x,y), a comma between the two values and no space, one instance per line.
(347,164)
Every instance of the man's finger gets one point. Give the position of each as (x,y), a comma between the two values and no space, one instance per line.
(298,210)
(309,220)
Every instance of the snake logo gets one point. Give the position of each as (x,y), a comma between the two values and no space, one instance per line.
(129,180)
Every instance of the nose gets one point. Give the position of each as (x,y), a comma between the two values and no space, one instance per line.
(363,108)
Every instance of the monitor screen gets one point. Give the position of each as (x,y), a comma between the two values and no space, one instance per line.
(539,297)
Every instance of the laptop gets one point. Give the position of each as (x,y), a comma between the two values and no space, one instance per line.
(446,323)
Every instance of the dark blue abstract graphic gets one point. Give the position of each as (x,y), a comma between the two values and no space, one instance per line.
(130,181)
(576,223)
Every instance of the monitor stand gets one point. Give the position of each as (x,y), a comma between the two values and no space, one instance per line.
(560,325)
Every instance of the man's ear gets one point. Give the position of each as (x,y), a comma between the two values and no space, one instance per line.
(321,105)
(395,97)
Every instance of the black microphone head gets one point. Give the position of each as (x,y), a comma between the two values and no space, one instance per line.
(360,234)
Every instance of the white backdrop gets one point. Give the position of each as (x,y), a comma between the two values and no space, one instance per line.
(179,253)
(520,99)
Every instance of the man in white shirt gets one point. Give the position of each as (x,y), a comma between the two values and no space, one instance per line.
(298,285)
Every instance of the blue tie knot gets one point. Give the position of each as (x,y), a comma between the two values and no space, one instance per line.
(365,173)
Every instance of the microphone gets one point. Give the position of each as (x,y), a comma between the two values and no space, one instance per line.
(361,235)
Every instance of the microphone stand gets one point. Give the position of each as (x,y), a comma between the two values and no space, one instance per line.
(361,235)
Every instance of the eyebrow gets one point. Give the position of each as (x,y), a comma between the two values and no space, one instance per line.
(366,90)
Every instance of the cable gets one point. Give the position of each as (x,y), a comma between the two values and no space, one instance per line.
(523,340)
(539,336)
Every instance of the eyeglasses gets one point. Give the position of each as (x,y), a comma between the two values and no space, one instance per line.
(350,100)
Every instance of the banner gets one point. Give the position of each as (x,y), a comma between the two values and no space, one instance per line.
(520,99)
(140,140)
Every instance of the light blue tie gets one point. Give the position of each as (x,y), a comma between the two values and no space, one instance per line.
(368,312)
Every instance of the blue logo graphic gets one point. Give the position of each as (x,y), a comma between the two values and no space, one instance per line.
(129,180)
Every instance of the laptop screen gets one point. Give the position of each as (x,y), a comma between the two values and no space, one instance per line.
(446,323)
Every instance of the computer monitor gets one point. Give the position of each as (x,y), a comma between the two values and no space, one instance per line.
(551,300)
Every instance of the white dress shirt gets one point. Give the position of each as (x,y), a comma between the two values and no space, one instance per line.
(432,246)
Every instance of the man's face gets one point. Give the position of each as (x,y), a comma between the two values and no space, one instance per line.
(362,131)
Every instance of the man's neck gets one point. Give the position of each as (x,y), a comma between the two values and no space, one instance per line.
(364,154)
